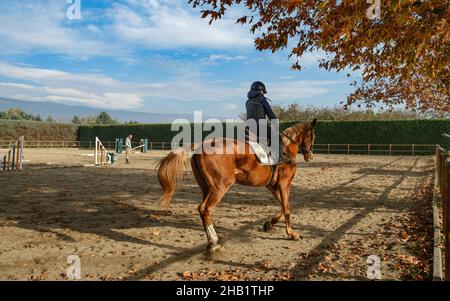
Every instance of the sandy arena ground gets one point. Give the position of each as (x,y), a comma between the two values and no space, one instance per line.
(344,207)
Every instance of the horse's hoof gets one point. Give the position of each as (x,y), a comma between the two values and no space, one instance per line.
(294,236)
(214,248)
(267,226)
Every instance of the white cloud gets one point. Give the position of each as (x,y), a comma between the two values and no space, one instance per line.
(300,89)
(98,90)
(170,25)
(94,29)
(286,77)
(38,25)
(216,59)
(307,61)
(115,31)
(58,86)
(224,57)
(231,106)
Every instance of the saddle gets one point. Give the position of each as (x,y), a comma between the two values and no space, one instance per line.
(261,150)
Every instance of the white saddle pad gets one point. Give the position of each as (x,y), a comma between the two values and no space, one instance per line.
(263,154)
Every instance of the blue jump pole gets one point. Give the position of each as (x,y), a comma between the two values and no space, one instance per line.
(144,143)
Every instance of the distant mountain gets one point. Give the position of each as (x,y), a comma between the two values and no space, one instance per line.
(65,113)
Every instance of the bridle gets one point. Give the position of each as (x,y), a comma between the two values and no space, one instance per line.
(302,148)
(274,168)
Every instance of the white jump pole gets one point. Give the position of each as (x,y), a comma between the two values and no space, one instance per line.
(22,142)
(138,147)
(101,156)
(96,150)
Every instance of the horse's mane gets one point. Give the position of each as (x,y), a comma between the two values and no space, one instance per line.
(294,131)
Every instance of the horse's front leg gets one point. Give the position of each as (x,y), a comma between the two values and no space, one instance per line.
(284,192)
(281,194)
(269,224)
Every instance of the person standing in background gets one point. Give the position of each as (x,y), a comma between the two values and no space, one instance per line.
(128,148)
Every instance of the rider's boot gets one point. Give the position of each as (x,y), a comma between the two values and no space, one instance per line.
(284,158)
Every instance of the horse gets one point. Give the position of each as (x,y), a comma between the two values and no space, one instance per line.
(215,173)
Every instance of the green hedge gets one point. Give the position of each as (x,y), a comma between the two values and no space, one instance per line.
(34,130)
(383,132)
(335,132)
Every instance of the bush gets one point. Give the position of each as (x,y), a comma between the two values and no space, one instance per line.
(422,131)
(33,130)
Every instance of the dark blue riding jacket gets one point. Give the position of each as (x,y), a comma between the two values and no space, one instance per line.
(258,107)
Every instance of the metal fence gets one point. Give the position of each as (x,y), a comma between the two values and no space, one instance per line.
(376,149)
(443,171)
(349,149)
(64,144)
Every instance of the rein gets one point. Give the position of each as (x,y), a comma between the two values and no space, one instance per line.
(293,142)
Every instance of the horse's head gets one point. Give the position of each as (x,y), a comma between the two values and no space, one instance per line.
(301,136)
(307,143)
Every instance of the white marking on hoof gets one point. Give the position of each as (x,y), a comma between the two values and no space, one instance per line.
(212,236)
(214,248)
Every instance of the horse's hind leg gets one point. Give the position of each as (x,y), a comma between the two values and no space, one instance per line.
(275,219)
(199,176)
(205,208)
(211,197)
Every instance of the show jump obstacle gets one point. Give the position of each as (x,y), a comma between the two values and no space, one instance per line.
(119,145)
(101,156)
(143,146)
(14,157)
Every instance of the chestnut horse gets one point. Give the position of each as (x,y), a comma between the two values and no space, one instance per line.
(216,173)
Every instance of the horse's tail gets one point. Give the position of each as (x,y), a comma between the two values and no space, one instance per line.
(169,171)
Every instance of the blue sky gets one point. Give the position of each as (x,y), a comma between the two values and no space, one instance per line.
(147,55)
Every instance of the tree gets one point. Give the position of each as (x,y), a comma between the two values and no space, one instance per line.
(404,55)
(76,120)
(105,119)
(88,120)
(50,119)
(131,122)
(295,112)
(18,114)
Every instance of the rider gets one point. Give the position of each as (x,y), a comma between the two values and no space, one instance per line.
(258,108)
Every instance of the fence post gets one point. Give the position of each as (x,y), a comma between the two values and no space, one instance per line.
(329,149)
(413,150)
(348,149)
(163,146)
(151,145)
(446,216)
(390,149)
(368,149)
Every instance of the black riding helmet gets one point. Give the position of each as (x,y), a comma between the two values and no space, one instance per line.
(258,86)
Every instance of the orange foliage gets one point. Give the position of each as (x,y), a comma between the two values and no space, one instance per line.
(404,56)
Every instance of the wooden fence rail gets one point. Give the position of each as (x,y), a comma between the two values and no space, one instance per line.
(443,169)
(369,149)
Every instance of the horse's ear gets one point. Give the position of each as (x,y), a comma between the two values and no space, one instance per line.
(313,123)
